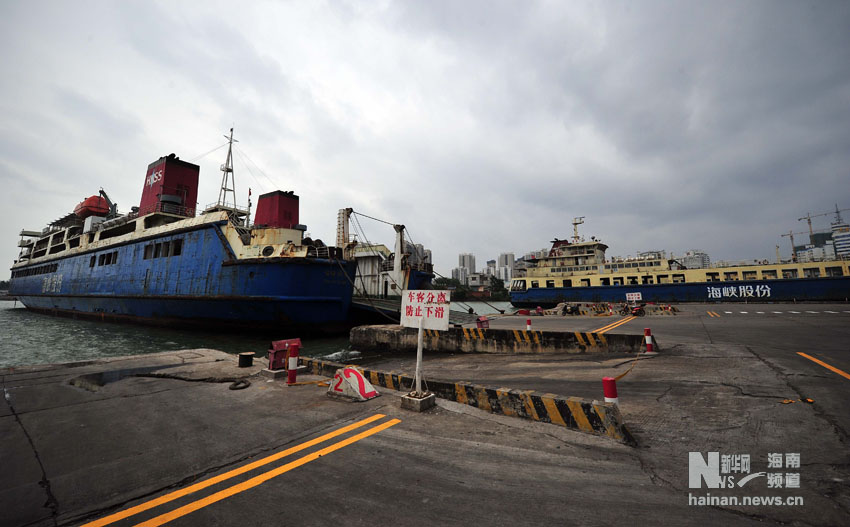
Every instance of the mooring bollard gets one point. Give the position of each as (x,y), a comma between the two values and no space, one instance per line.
(292,367)
(609,389)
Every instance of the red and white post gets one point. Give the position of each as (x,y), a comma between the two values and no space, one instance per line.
(609,389)
(528,324)
(647,334)
(292,367)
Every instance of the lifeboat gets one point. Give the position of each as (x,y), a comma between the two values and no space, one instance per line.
(93,206)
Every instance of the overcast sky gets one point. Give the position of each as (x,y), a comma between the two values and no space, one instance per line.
(485,127)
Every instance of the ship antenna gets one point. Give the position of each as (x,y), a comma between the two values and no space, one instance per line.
(228,181)
(576,222)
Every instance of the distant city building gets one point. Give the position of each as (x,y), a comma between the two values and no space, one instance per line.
(491,268)
(478,280)
(461,274)
(812,253)
(506,260)
(841,238)
(695,259)
(467,260)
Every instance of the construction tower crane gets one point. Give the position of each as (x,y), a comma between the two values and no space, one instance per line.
(793,248)
(809,217)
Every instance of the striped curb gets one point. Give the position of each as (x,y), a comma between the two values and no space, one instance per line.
(591,417)
(476,340)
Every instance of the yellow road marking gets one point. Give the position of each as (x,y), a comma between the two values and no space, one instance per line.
(579,338)
(373,375)
(601,338)
(227,475)
(262,478)
(825,365)
(484,400)
(536,338)
(613,325)
(481,333)
(465,334)
(525,336)
(516,336)
(590,339)
(504,401)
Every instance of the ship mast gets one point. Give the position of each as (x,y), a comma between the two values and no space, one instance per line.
(576,222)
(228,181)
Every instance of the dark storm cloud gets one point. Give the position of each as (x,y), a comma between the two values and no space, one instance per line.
(483,126)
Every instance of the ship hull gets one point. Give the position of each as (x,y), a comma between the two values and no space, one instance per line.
(203,285)
(781,290)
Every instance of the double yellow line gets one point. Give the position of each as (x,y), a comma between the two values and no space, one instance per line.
(251,483)
(713,314)
(613,325)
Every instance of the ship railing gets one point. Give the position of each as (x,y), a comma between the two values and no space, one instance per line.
(168,208)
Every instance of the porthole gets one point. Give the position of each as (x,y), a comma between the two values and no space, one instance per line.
(268,250)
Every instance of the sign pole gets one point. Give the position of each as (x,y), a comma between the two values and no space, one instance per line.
(419,359)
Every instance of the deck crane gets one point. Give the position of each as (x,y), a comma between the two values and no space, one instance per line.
(793,248)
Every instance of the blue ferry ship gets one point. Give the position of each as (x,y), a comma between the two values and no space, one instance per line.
(162,264)
(578,271)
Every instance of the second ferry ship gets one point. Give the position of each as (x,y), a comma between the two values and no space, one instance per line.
(578,271)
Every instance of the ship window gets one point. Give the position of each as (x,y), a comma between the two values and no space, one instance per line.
(749,275)
(730,276)
(656,264)
(114,257)
(811,272)
(534,283)
(618,280)
(92,261)
(164,253)
(585,282)
(833,271)
(157,250)
(101,259)
(107,258)
(646,280)
(789,273)
(712,277)
(663,279)
(519,285)
(769,274)
(632,280)
(176,247)
(605,281)
(148,252)
(550,283)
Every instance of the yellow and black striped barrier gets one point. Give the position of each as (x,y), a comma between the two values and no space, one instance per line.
(592,417)
(478,340)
